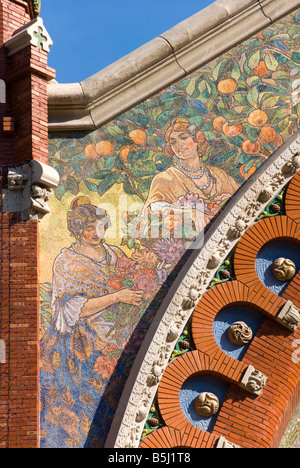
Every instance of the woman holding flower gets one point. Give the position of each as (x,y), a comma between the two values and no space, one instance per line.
(79,351)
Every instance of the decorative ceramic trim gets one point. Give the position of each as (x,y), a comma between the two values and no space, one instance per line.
(159,63)
(189,287)
(33,33)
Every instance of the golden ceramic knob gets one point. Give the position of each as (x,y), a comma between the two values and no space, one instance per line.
(283,269)
(206,404)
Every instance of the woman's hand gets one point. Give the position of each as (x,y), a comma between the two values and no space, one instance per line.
(130,296)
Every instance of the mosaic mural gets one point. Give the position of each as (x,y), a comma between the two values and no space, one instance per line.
(133,197)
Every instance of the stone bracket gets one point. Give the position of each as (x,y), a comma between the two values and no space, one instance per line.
(29,189)
(224,443)
(289,316)
(253,381)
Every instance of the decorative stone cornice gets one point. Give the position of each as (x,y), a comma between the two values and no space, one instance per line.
(159,63)
(187,290)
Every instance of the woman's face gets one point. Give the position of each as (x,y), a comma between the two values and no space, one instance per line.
(183,145)
(93,233)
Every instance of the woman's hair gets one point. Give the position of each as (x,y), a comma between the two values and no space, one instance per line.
(182,124)
(82,214)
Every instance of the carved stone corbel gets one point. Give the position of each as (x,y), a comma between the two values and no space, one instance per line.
(17,179)
(224,443)
(253,381)
(29,189)
(289,316)
(292,166)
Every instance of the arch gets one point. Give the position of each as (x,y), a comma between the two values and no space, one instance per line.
(167,437)
(153,358)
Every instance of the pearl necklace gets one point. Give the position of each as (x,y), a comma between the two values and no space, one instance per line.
(188,172)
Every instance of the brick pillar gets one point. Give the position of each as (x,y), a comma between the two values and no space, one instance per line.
(23,137)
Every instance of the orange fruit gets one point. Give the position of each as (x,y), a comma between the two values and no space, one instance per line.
(124,153)
(218,123)
(247,174)
(104,148)
(138,136)
(257,118)
(232,130)
(227,86)
(89,151)
(267,134)
(251,148)
(261,70)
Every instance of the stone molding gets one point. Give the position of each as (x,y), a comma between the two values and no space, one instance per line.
(29,189)
(159,63)
(157,348)
(33,33)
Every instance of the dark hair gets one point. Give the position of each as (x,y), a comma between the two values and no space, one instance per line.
(83,215)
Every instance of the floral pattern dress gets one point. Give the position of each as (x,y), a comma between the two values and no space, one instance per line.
(81,370)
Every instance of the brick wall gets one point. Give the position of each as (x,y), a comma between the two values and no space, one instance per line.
(23,137)
(250,421)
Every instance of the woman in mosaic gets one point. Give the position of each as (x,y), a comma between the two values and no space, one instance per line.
(79,351)
(190,181)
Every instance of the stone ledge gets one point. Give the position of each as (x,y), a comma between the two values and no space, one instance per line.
(159,63)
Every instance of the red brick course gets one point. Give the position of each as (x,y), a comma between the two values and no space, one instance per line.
(23,137)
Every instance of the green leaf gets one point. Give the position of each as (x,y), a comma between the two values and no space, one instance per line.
(130,243)
(156,112)
(107,184)
(128,283)
(281,114)
(164,117)
(90,185)
(114,130)
(296,57)
(102,174)
(46,295)
(252,97)
(60,190)
(191,86)
(270,103)
(254,60)
(72,185)
(110,316)
(241,99)
(217,71)
(145,185)
(70,152)
(127,186)
(211,88)
(110,162)
(202,86)
(253,133)
(236,72)
(271,62)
